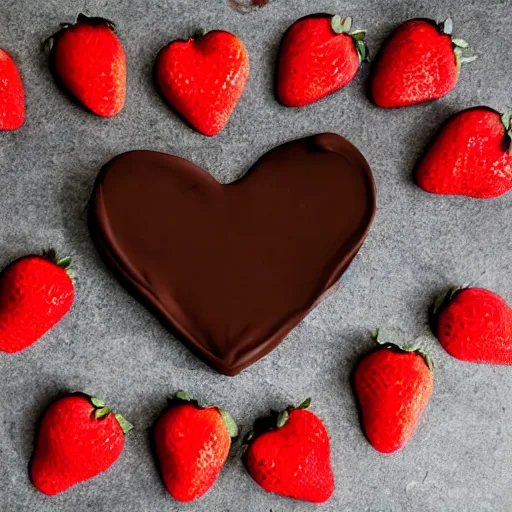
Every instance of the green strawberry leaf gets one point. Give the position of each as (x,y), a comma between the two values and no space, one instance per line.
(358,35)
(97,403)
(428,360)
(230,423)
(64,262)
(347,25)
(460,43)
(466,60)
(93,20)
(282,419)
(305,404)
(126,426)
(337,24)
(101,413)
(505,120)
(444,298)
(362,50)
(414,347)
(447,26)
(181,395)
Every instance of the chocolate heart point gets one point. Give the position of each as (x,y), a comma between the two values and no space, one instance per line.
(231,269)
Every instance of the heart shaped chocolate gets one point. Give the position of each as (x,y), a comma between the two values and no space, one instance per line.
(231,269)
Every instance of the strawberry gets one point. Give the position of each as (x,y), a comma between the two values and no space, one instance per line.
(319,55)
(471,156)
(35,293)
(420,62)
(12,95)
(78,438)
(203,78)
(192,445)
(289,454)
(88,60)
(473,324)
(393,385)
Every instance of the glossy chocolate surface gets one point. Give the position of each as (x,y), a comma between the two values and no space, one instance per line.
(231,269)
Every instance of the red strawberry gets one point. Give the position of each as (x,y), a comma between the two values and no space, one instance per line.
(473,324)
(293,457)
(470,156)
(12,95)
(78,438)
(35,293)
(319,55)
(420,62)
(203,78)
(192,444)
(393,385)
(89,60)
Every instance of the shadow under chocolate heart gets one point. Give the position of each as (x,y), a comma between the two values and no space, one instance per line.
(231,269)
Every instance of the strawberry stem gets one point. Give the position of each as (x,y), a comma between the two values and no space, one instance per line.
(92,20)
(414,347)
(506,121)
(181,397)
(101,411)
(230,423)
(64,262)
(282,419)
(446,26)
(342,26)
(443,299)
(125,425)
(48,44)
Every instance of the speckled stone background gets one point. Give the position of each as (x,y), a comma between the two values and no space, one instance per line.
(461,456)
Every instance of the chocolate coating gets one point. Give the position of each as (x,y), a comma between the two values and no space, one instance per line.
(231,269)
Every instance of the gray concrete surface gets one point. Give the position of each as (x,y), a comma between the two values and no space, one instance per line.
(461,456)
